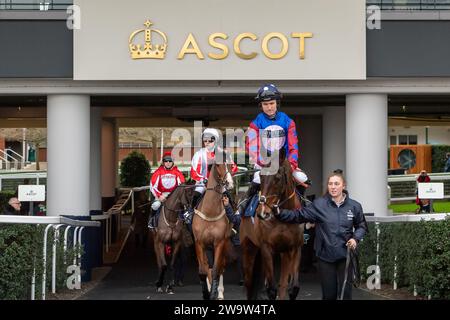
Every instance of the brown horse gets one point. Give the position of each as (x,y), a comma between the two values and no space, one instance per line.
(267,236)
(211,228)
(169,232)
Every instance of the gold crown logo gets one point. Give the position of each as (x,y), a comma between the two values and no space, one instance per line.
(149,50)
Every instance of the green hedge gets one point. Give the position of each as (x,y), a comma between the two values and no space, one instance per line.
(438,153)
(135,170)
(21,249)
(423,255)
(4,198)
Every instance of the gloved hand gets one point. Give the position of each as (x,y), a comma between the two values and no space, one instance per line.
(188,217)
(276,210)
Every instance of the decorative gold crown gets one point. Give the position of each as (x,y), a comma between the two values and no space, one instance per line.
(149,51)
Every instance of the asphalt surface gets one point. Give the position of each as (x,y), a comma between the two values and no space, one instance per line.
(134,275)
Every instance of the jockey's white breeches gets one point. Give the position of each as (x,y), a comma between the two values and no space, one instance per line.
(299,176)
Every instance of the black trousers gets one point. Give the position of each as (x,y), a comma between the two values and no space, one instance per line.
(332,279)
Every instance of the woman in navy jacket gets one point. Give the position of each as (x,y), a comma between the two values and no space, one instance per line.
(340,223)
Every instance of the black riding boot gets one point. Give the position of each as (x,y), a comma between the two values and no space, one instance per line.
(252,190)
(190,212)
(196,199)
(153,221)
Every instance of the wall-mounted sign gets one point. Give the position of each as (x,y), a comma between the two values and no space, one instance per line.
(31,192)
(431,190)
(220,40)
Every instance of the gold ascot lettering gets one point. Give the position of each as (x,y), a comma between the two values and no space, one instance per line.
(195,49)
(218,45)
(191,46)
(302,36)
(237,42)
(284,45)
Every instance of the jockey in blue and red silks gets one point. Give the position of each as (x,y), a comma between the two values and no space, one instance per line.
(270,132)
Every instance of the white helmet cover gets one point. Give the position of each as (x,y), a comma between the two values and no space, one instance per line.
(211,132)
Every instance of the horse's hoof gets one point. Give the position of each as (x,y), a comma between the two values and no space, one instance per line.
(220,296)
(159,290)
(169,290)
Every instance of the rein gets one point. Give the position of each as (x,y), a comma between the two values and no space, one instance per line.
(263,201)
(172,226)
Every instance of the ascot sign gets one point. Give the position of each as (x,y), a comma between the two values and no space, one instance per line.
(215,40)
(147,49)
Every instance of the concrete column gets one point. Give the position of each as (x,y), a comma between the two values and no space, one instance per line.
(366,150)
(96,156)
(68,149)
(309,130)
(109,162)
(333,141)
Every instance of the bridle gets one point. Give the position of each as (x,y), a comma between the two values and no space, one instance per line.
(177,211)
(263,202)
(221,183)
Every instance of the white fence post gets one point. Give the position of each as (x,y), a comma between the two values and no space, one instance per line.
(79,253)
(55,242)
(44,258)
(395,272)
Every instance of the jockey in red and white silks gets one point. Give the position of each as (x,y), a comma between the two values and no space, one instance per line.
(164,180)
(205,156)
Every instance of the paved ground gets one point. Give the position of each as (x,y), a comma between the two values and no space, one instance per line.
(133,277)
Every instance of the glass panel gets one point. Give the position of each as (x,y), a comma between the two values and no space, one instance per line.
(411,4)
(42,5)
(402,139)
(412,139)
(393,139)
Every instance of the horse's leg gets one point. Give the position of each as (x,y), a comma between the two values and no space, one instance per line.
(267,258)
(218,268)
(175,252)
(221,289)
(210,258)
(285,274)
(294,286)
(202,269)
(249,251)
(162,264)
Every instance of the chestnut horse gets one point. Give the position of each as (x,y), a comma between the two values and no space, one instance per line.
(211,228)
(169,232)
(264,236)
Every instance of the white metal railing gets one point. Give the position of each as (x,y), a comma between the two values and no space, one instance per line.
(412,177)
(400,218)
(120,208)
(56,223)
(23,175)
(435,177)
(107,216)
(7,161)
(18,155)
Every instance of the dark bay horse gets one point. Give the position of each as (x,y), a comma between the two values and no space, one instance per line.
(211,228)
(267,236)
(169,232)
